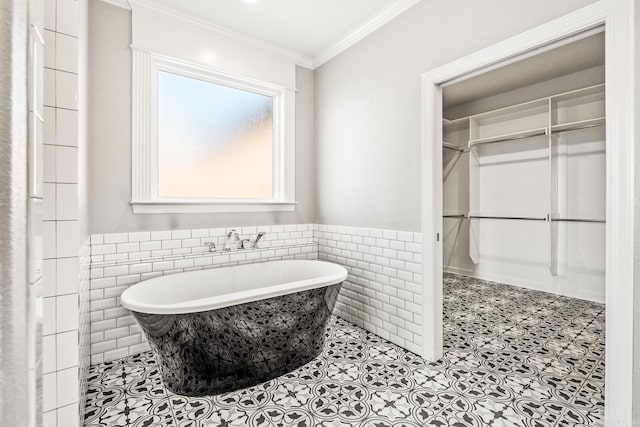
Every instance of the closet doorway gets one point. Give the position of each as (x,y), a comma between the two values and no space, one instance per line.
(526,148)
(524,182)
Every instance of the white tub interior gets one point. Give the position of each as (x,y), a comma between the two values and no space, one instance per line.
(204,290)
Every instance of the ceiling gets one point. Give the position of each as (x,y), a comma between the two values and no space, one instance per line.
(315,29)
(585,53)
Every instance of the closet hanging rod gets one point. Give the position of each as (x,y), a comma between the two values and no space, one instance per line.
(578,220)
(454,216)
(509,137)
(584,124)
(454,147)
(520,218)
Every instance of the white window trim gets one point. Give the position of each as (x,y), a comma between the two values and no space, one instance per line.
(144,182)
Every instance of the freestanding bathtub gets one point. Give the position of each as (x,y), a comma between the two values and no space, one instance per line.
(224,329)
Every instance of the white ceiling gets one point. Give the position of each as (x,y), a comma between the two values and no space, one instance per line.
(579,55)
(315,29)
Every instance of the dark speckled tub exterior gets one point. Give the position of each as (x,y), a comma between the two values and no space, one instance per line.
(235,347)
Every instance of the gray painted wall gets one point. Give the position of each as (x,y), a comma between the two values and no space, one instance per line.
(368,104)
(109,135)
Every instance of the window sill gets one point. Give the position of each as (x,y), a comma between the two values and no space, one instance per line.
(166,207)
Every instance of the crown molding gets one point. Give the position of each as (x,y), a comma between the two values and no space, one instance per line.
(390,12)
(396,8)
(149,7)
(163,11)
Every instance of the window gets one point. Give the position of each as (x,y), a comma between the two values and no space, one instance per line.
(214,142)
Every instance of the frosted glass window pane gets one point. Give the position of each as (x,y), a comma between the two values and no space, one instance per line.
(214,141)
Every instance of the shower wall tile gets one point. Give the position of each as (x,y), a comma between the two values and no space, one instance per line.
(49,202)
(49,16)
(49,126)
(49,239)
(49,392)
(49,362)
(66,90)
(67,17)
(66,53)
(67,315)
(67,273)
(49,320)
(67,239)
(49,166)
(49,419)
(119,260)
(67,350)
(66,165)
(49,97)
(50,51)
(50,273)
(67,415)
(383,292)
(64,330)
(67,386)
(66,202)
(66,131)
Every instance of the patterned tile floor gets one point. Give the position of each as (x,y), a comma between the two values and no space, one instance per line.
(513,357)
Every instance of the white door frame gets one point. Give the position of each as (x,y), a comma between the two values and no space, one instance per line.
(617,16)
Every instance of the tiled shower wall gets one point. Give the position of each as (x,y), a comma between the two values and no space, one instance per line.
(61,361)
(381,294)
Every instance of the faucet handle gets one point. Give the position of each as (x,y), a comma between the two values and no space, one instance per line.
(211,246)
(243,242)
(258,237)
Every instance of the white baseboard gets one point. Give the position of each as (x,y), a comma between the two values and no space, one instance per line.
(527,284)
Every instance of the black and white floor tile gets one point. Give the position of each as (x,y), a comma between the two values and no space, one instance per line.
(513,357)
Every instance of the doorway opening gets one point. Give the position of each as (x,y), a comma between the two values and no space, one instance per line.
(524,211)
(546,153)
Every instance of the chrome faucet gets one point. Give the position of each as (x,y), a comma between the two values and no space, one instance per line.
(232,234)
(258,237)
(211,246)
(248,244)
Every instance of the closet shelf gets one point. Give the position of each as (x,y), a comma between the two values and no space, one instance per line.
(454,147)
(564,127)
(509,137)
(581,124)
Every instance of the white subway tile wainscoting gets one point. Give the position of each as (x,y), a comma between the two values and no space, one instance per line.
(381,294)
(383,291)
(122,259)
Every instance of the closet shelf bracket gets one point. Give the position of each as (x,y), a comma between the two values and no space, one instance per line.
(454,147)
